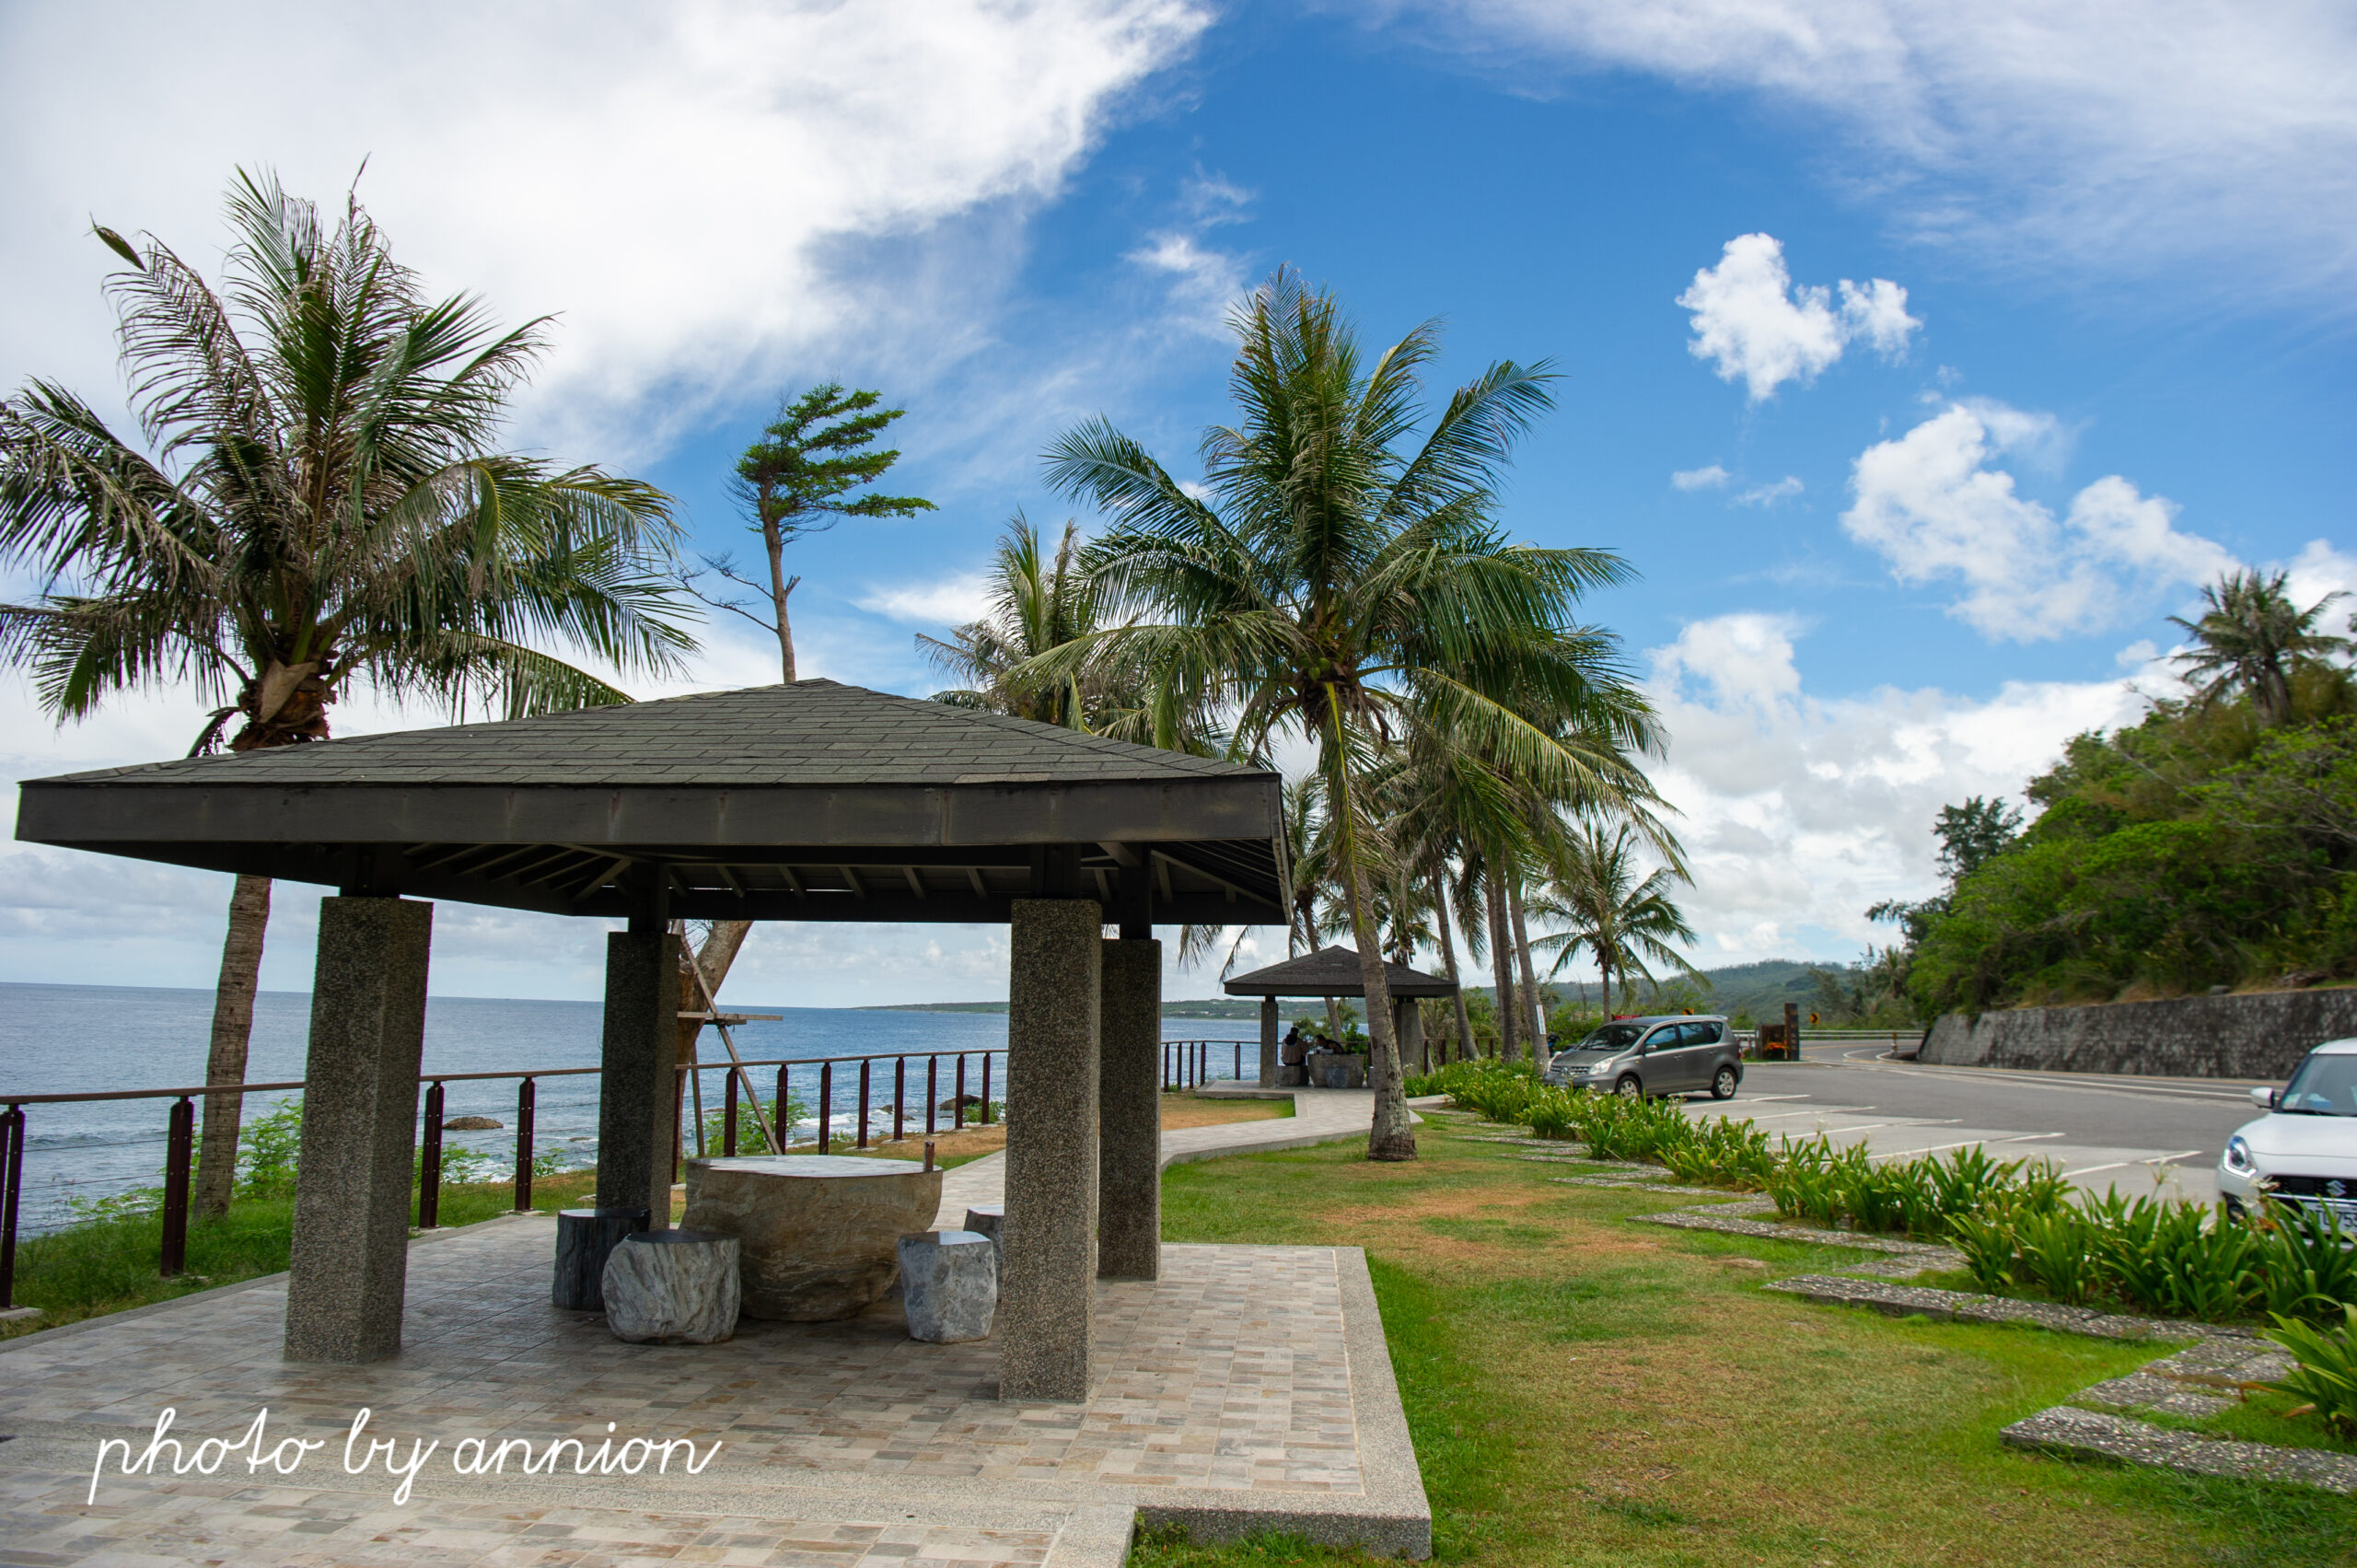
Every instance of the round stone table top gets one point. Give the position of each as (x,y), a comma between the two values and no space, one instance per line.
(814,1166)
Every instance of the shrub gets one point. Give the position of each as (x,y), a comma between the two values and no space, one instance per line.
(2327,1373)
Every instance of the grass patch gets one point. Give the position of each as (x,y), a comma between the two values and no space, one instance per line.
(1585,1391)
(101,1266)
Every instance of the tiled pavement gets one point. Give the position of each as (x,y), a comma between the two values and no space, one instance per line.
(1250,1384)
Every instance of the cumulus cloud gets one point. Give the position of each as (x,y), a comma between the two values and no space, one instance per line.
(2119,134)
(1799,812)
(707,191)
(1933,505)
(1751,322)
(1712,478)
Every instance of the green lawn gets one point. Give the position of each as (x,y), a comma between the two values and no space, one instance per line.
(1584,1390)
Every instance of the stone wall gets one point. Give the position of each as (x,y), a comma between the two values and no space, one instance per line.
(2259,1036)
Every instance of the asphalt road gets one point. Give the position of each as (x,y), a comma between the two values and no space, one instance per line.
(2138,1135)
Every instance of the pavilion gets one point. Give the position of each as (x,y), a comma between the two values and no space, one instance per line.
(1335,971)
(808,801)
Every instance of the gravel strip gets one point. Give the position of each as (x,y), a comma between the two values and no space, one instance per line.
(2089,1434)
(1901,1301)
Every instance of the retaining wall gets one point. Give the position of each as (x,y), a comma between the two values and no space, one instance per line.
(2259,1036)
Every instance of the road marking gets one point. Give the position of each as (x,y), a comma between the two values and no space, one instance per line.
(2123,1165)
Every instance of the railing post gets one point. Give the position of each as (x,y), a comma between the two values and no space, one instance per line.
(524,1100)
(986,1088)
(12,1182)
(728,1120)
(957,1096)
(783,1120)
(1237,1076)
(932,1092)
(826,1102)
(899,1095)
(179,1143)
(863,1102)
(429,1174)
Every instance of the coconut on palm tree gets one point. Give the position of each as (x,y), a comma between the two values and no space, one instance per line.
(1620,919)
(2252,641)
(1346,580)
(319,506)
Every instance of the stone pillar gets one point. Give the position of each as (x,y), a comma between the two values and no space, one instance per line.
(1408,1029)
(1045,1313)
(635,1105)
(1129,1156)
(1268,1062)
(350,1259)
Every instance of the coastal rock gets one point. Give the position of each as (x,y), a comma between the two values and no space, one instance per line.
(819,1231)
(673,1287)
(472,1125)
(949,1286)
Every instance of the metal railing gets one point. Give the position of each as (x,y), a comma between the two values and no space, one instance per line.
(1184,1064)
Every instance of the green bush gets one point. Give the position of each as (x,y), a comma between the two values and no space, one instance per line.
(2327,1373)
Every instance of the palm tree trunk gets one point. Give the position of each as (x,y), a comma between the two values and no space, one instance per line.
(1501,965)
(233,1027)
(1390,1136)
(1532,1009)
(1442,922)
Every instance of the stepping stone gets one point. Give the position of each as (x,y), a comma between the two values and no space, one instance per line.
(672,1287)
(990,1219)
(949,1286)
(585,1238)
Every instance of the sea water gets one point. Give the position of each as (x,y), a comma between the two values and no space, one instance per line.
(81,1038)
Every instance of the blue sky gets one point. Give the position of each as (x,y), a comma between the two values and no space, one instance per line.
(1928,526)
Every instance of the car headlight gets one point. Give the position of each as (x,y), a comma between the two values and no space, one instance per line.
(2238,1154)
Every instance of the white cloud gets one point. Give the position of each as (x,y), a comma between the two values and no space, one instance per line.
(2316,571)
(952,601)
(1750,321)
(1800,812)
(710,192)
(1202,282)
(1933,506)
(1783,489)
(1712,478)
(2119,134)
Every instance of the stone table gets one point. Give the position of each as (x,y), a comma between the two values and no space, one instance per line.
(819,1232)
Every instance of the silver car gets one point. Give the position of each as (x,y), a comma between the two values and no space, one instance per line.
(1663,1055)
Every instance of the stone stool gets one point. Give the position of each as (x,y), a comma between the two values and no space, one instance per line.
(672,1287)
(990,1219)
(583,1239)
(949,1286)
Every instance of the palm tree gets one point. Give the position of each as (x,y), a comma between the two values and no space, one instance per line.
(1621,920)
(2251,642)
(322,509)
(1344,588)
(1035,604)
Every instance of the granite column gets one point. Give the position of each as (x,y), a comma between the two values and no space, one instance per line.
(1269,1063)
(1129,1159)
(1045,1317)
(636,1103)
(349,1264)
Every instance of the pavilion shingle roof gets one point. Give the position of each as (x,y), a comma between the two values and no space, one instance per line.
(814,732)
(1332,972)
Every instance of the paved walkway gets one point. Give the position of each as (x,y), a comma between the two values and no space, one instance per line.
(1319,1116)
(1250,1388)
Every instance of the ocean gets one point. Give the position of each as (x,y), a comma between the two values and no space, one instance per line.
(78,1038)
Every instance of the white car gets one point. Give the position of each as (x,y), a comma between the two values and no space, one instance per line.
(2303,1150)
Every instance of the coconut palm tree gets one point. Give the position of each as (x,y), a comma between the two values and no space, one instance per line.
(2251,641)
(1619,918)
(1347,581)
(319,506)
